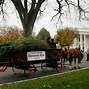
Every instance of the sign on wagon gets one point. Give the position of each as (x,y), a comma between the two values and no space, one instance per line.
(35,55)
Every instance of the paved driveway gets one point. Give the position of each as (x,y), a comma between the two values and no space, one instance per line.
(8,76)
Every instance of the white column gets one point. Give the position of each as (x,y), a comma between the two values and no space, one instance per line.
(85,43)
(81,42)
(78,43)
(74,44)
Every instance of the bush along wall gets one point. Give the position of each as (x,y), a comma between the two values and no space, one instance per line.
(17,50)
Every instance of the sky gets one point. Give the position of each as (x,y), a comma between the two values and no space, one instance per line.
(45,21)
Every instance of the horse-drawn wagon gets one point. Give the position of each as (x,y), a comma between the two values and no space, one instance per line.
(25,61)
(23,55)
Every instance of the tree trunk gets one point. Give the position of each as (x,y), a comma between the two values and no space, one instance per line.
(27,29)
(27,15)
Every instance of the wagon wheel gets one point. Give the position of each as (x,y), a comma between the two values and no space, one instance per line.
(59,68)
(17,69)
(44,66)
(3,68)
(30,70)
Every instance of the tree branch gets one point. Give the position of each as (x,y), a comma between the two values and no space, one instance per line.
(19,7)
(35,9)
(25,5)
(58,10)
(32,6)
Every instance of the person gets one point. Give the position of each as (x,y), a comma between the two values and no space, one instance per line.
(53,44)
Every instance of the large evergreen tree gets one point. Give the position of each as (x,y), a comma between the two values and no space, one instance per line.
(43,34)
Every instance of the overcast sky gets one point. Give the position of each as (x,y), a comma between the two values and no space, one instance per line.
(45,21)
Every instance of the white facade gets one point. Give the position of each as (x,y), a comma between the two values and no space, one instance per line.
(82,40)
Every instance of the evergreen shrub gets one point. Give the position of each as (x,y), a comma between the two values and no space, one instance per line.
(9,50)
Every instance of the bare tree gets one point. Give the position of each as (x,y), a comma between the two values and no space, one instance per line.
(28,10)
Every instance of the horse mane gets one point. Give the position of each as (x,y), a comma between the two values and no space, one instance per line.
(71,51)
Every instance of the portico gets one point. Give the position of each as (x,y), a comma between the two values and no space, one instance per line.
(82,40)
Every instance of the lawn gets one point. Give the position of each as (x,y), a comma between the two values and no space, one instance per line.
(70,80)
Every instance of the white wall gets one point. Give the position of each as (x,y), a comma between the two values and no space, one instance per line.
(87,41)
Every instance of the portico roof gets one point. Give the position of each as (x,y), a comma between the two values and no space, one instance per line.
(83,31)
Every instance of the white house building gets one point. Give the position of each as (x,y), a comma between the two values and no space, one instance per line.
(82,40)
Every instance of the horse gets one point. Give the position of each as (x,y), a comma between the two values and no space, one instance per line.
(72,56)
(78,55)
(63,56)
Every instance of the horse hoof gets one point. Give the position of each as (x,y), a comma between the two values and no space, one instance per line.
(64,66)
(74,67)
(79,67)
(70,68)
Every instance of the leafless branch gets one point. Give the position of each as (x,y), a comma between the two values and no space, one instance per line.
(59,10)
(41,11)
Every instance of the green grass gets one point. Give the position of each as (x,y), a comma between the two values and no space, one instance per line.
(71,80)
